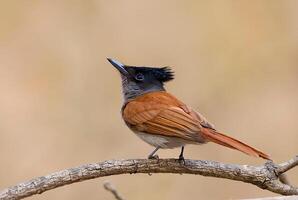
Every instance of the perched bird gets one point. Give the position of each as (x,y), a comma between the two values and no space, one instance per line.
(163,121)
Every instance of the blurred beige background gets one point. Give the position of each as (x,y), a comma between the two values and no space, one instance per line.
(235,61)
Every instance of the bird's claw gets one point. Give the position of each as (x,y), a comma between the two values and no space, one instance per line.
(155,157)
(181,159)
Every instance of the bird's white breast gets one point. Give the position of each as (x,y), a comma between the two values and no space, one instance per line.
(163,142)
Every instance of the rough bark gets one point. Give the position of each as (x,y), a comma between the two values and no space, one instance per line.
(277,198)
(265,176)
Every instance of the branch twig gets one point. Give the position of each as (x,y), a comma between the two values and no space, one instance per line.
(109,187)
(286,166)
(265,176)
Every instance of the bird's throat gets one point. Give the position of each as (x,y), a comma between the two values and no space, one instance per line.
(133,93)
(131,90)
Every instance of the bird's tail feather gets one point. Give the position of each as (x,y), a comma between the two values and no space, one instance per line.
(222,139)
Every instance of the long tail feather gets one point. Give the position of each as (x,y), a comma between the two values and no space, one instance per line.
(219,138)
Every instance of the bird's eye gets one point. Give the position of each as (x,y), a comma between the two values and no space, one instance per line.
(139,77)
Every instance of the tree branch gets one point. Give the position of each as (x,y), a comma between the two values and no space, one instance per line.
(265,176)
(109,187)
(276,198)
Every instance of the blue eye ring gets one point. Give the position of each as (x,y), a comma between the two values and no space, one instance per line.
(139,77)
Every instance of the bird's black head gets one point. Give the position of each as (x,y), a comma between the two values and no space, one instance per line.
(137,81)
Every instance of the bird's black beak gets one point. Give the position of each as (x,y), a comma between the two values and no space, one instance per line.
(118,66)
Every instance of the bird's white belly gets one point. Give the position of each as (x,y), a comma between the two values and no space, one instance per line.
(163,142)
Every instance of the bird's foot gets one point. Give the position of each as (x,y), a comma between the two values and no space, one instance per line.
(153,157)
(181,159)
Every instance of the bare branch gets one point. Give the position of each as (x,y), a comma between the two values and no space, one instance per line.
(283,167)
(109,187)
(265,176)
(276,198)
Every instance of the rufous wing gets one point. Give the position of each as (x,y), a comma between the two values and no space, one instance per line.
(161,114)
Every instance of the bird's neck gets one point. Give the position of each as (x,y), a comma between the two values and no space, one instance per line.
(132,91)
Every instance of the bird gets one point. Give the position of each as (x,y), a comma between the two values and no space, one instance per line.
(162,120)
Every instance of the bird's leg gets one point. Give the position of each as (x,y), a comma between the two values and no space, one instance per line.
(181,157)
(152,156)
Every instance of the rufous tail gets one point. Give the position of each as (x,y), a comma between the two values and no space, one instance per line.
(219,138)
